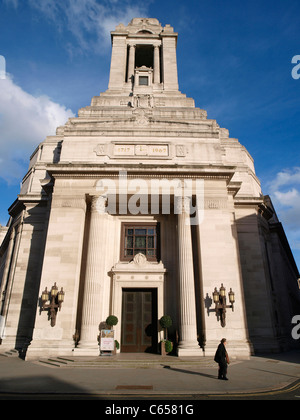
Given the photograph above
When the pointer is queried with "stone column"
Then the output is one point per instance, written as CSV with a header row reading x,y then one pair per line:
x,y
156,64
6,268
10,279
131,62
9,340
92,308
188,344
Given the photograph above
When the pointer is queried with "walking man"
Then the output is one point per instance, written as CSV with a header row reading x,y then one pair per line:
x,y
221,357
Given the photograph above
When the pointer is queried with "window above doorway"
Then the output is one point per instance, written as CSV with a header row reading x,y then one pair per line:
x,y
140,238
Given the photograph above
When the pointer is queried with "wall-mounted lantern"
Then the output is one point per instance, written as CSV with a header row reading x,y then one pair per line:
x,y
219,298
56,299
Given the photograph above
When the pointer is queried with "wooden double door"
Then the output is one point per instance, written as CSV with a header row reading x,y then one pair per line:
x,y
139,321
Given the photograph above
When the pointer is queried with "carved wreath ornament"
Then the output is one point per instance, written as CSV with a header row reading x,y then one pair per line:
x,y
140,259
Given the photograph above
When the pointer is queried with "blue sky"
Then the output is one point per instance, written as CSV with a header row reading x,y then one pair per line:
x,y
234,59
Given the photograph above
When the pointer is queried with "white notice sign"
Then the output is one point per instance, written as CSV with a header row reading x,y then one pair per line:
x,y
107,340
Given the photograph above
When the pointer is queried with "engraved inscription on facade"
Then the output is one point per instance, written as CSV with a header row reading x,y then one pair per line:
x,y
124,150
153,150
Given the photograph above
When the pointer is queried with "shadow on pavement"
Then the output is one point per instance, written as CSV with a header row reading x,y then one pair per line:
x,y
190,372
292,356
31,388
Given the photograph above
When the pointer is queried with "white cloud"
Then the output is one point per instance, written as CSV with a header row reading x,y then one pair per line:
x,y
285,194
25,121
89,21
286,178
287,198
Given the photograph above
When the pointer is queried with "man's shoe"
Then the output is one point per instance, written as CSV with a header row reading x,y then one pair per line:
x,y
225,379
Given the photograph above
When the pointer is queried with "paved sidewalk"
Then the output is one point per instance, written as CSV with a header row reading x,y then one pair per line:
x,y
168,376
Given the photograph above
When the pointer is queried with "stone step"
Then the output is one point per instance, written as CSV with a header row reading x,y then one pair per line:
x,y
114,363
10,353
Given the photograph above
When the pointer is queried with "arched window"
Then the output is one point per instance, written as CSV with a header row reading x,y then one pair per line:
x,y
144,32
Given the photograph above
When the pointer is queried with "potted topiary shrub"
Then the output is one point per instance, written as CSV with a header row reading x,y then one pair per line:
x,y
111,320
166,345
166,322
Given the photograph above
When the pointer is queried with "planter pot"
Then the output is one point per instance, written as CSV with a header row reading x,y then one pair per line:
x,y
166,347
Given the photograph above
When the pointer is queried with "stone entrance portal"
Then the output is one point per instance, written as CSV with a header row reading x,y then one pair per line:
x,y
138,302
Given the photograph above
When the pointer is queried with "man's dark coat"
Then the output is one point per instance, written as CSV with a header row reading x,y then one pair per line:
x,y
221,354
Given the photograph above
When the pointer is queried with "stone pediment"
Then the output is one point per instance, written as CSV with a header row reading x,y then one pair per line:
x,y
144,26
138,264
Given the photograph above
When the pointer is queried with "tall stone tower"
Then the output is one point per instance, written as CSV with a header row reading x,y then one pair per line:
x,y
140,207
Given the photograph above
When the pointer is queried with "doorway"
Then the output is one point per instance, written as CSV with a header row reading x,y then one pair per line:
x,y
139,321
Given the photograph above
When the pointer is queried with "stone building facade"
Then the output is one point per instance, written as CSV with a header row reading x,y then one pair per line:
x,y
139,207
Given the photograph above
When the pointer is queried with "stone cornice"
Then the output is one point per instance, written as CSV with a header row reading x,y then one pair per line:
x,y
140,170
248,201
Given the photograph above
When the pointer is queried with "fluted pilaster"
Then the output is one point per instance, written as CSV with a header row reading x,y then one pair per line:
x,y
156,65
131,62
91,314
3,284
188,329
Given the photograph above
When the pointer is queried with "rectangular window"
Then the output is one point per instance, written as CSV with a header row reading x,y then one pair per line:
x,y
140,238
143,80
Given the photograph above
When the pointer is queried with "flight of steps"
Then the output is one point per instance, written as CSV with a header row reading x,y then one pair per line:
x,y
106,362
10,353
